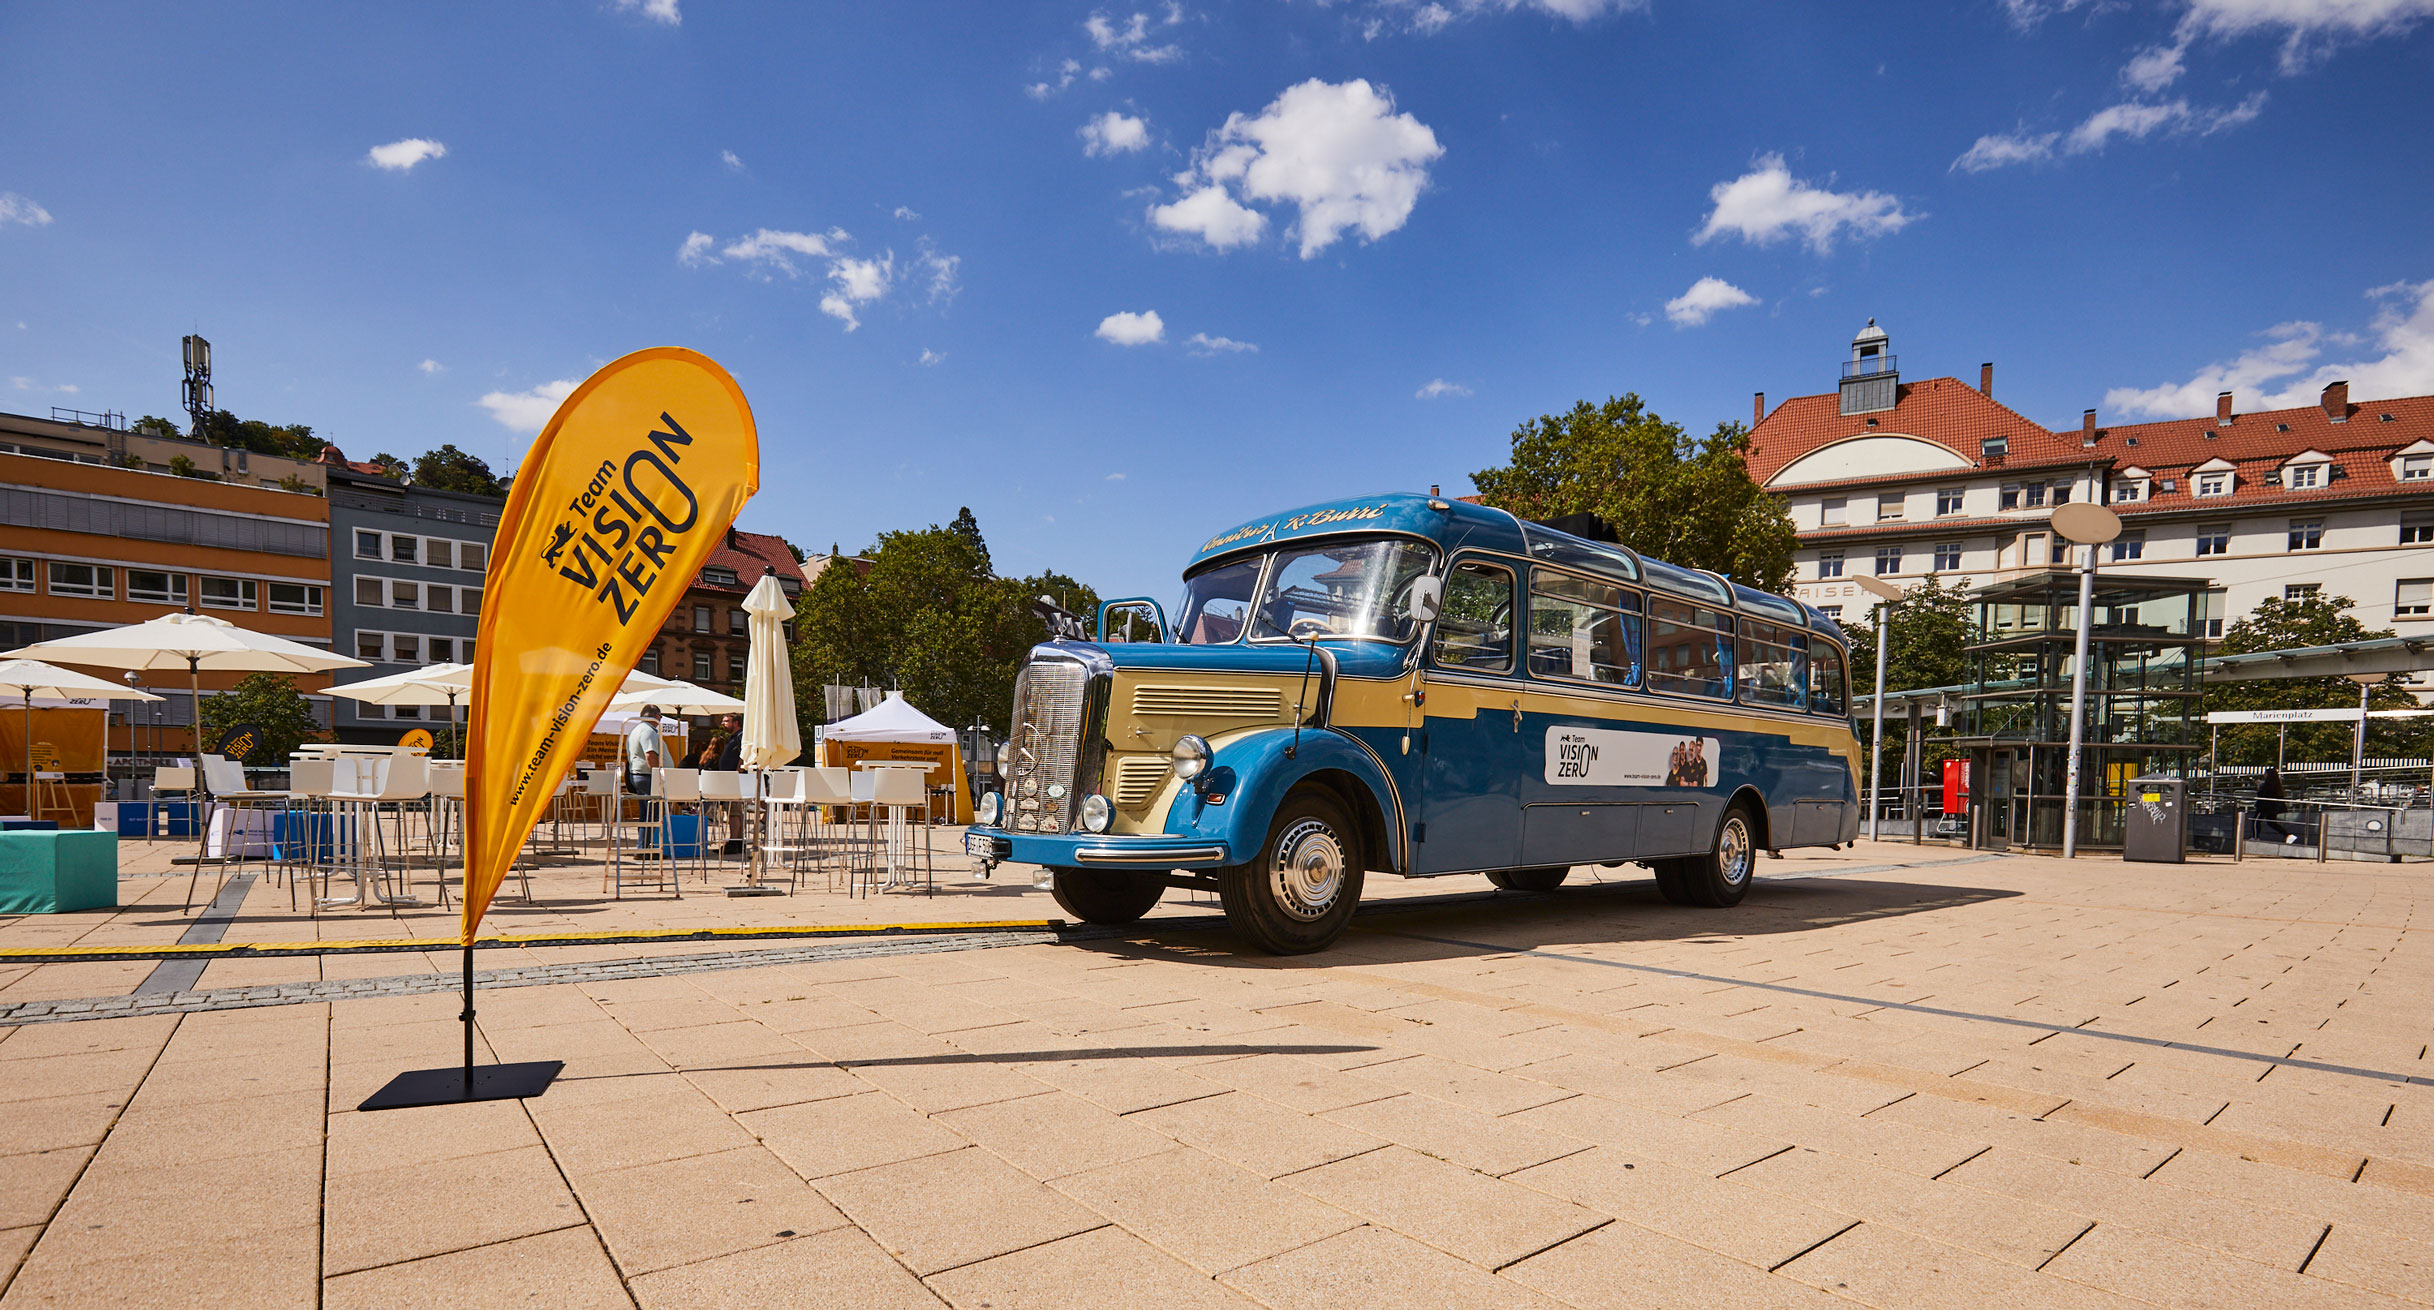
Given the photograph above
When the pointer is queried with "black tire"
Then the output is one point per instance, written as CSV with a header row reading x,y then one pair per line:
x,y
1298,893
1529,880
1722,877
1100,896
1669,882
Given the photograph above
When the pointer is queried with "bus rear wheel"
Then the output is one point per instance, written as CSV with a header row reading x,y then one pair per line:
x,y
1298,893
1722,877
1529,880
1099,896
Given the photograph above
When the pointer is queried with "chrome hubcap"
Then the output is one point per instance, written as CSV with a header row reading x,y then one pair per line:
x,y
1733,851
1307,871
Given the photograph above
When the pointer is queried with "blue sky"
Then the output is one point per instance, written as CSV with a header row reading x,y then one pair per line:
x,y
929,240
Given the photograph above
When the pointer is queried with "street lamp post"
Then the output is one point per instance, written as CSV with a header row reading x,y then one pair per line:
x,y
1891,596
2087,525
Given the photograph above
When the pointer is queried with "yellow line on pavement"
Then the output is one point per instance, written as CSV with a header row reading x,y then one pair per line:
x,y
211,950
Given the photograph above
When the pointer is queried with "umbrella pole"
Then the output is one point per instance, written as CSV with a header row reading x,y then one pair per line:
x,y
28,693
202,816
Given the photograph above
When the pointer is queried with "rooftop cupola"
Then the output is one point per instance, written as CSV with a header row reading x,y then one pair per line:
x,y
1870,375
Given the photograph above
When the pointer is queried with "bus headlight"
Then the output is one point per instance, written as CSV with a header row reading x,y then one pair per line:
x,y
1005,760
1097,813
989,810
1190,757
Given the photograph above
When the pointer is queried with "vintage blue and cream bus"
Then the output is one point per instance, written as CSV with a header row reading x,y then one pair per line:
x,y
1419,686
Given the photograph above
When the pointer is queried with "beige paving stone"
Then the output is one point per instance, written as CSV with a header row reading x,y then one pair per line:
x,y
747,1085
2253,1232
406,1214
49,1123
14,1243
1617,1081
2056,1140
165,1132
42,1077
272,1267
1766,1230
2004,1228
1889,1267
1055,1133
1256,1134
563,1268
2376,1260
1922,1151
1489,1144
1471,1088
656,1216
1623,1266
2360,1203
951,1080
1693,1144
1205,1212
2147,1267
1294,1083
716,1044
940,1212
118,1208
1123,1084
1103,1269
841,1267
1484,1220
843,1133
636,1130
1372,1269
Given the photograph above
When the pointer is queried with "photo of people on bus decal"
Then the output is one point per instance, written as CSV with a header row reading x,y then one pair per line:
x,y
1688,767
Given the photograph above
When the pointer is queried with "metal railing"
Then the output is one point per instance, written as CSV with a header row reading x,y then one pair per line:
x,y
2324,830
1869,366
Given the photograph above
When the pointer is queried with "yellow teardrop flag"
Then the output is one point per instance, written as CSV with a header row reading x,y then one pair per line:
x,y
622,497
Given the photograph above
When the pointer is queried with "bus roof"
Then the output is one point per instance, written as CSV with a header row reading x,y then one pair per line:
x,y
1454,524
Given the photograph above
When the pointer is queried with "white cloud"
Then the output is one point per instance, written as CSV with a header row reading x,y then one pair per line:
x,y
929,357
2283,373
1130,38
659,11
1064,78
1130,329
528,411
1434,16
695,252
1113,477
1707,297
1768,203
2026,14
856,282
28,384
398,156
2135,120
1337,152
943,270
768,246
2309,28
1202,343
2156,67
906,214
1438,387
729,158
1112,133
431,366
17,209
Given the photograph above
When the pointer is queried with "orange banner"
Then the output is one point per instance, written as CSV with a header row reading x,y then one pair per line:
x,y
622,497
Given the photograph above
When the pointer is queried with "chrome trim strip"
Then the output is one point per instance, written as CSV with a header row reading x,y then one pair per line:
x,y
1161,855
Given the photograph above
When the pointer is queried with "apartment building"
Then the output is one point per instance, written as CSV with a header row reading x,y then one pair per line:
x,y
1935,478
406,586
705,640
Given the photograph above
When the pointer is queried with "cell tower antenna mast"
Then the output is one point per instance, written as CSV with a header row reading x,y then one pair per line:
x,y
198,383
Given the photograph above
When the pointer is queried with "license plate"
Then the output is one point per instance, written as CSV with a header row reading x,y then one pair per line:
x,y
984,845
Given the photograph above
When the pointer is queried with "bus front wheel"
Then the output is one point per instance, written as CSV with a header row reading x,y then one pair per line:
x,y
1721,877
1097,896
1529,880
1298,894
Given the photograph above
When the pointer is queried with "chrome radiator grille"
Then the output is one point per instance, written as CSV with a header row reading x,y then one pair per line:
x,y
1049,706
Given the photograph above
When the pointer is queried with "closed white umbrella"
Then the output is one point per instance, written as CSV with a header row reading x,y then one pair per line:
x,y
771,735
31,678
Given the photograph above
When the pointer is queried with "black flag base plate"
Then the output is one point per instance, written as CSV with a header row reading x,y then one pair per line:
x,y
755,889
491,1082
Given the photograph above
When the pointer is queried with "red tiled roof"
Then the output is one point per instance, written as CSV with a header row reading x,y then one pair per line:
x,y
746,554
1939,409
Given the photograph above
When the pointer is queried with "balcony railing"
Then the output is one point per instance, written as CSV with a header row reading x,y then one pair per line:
x,y
1870,366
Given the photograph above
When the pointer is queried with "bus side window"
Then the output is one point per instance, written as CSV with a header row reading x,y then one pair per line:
x,y
1828,697
1475,628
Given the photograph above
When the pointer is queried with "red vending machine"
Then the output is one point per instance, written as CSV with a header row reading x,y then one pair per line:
x,y
1956,786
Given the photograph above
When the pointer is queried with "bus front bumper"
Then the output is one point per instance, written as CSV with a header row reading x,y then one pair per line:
x,y
1083,850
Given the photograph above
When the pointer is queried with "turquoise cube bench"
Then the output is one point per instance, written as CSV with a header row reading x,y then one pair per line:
x,y
55,872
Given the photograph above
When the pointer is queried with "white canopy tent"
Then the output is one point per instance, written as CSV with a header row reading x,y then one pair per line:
x,y
895,719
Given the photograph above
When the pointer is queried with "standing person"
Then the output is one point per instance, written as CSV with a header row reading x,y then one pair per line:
x,y
644,751
2269,806
731,760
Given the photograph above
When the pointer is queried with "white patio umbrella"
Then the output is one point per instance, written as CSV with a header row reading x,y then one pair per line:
x,y
771,735
676,698
31,678
430,685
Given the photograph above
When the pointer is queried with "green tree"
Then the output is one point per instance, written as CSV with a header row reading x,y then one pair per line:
x,y
269,703
450,469
153,426
2282,624
1929,632
1682,501
390,466
292,440
926,617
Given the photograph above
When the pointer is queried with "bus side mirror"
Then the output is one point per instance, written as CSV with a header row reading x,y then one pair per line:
x,y
1427,598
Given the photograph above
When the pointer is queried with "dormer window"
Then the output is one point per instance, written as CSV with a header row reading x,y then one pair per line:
x,y
2129,489
718,577
2213,484
2416,468
2303,477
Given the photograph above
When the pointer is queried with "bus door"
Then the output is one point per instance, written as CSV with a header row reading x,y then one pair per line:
x,y
1469,815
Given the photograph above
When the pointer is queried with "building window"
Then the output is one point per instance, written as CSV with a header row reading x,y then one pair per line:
x,y
438,599
1834,511
367,544
403,549
471,556
2062,493
1889,508
2033,495
2416,468
371,646
406,647
82,580
469,600
1833,612
2057,552
1888,560
2413,597
2008,497
1948,501
2214,484
650,661
229,593
719,577
368,592
701,618
2213,539
2128,489
405,711
1830,566
1948,557
442,650
2306,534
2417,530
2217,601
2129,545
442,553
16,574
2301,590
405,595
294,598
2303,476
701,666
1994,447
738,623
156,588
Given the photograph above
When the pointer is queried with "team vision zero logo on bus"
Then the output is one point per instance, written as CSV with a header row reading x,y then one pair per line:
x,y
620,533
1598,757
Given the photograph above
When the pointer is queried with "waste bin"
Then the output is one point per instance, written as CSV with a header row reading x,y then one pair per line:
x,y
2155,829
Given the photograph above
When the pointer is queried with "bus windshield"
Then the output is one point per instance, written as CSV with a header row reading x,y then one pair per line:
x,y
1354,589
